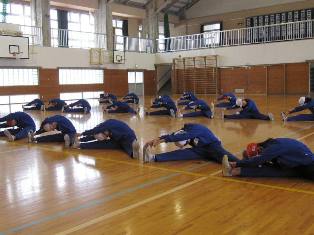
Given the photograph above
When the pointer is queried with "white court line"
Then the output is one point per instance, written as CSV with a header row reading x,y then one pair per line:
x,y
130,207
304,137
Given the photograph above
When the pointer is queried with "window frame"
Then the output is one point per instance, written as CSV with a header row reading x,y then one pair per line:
x,y
81,69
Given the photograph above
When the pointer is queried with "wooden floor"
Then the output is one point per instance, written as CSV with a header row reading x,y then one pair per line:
x,y
47,190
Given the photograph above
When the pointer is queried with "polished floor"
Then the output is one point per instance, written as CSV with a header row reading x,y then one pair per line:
x,y
47,190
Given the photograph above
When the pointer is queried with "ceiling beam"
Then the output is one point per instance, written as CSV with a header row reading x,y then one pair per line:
x,y
166,4
186,7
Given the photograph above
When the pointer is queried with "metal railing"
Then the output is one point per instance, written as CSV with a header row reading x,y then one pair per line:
x,y
132,44
33,33
77,39
235,37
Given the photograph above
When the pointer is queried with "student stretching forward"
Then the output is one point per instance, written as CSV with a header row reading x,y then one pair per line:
x,y
120,107
186,98
131,98
24,123
36,104
56,105
111,134
249,111
201,108
282,157
229,101
304,104
107,98
80,106
55,123
205,145
167,105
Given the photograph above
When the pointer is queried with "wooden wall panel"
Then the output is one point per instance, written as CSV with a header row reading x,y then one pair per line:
x,y
256,80
297,79
232,78
150,84
49,83
276,79
116,81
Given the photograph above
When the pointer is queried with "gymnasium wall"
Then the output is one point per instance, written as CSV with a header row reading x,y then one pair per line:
x,y
233,13
115,81
281,79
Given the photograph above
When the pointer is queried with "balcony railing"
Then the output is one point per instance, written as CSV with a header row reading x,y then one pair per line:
x,y
235,37
132,44
33,33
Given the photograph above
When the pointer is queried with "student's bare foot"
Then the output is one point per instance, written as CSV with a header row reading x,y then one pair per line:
x,y
30,136
136,149
271,116
77,143
9,135
42,108
212,106
179,114
147,155
172,113
85,110
67,141
226,168
283,116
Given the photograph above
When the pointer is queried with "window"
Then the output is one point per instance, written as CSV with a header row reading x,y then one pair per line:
x,y
140,31
118,33
17,99
81,76
135,77
210,37
18,77
81,29
18,14
81,95
161,37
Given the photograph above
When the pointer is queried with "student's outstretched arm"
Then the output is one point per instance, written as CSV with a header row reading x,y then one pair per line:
x,y
300,108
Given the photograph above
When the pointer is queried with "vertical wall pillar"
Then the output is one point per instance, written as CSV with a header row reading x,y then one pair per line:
x,y
103,25
151,23
40,10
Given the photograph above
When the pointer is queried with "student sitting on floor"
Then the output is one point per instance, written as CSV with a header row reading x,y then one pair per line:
x,y
249,111
186,98
19,124
80,106
53,124
167,106
36,104
131,98
229,101
107,98
304,104
56,105
120,107
205,145
282,157
111,134
200,107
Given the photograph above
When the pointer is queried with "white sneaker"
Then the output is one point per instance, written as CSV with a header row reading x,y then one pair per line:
x,y
271,116
9,135
212,107
283,116
226,168
62,110
147,155
136,149
30,136
67,141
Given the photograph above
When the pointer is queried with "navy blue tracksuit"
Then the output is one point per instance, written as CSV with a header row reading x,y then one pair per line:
x,y
201,109
282,157
121,107
231,101
121,137
163,102
186,98
64,125
56,105
303,117
34,105
249,111
131,98
24,124
205,145
78,107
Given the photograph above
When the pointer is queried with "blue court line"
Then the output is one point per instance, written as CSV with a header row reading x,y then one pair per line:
x,y
93,203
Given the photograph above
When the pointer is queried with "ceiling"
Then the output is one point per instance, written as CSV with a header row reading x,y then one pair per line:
x,y
175,7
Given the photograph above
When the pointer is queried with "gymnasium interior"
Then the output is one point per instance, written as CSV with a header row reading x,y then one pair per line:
x,y
261,50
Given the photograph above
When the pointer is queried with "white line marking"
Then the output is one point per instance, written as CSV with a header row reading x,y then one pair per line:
x,y
130,207
304,137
